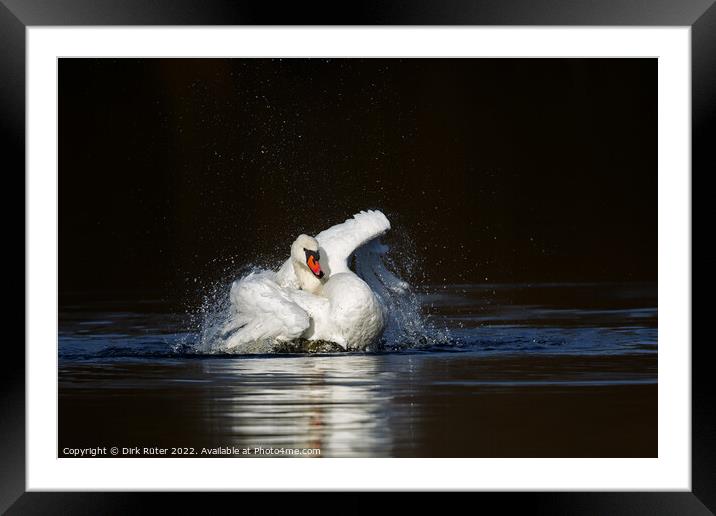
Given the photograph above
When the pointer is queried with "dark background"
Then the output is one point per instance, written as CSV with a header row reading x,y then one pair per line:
x,y
175,172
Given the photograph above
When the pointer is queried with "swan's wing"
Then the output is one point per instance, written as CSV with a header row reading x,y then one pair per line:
x,y
262,312
286,276
341,240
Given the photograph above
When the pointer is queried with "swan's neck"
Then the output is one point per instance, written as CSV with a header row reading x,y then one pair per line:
x,y
306,279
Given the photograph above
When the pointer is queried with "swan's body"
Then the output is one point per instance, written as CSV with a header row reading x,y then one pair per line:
x,y
308,300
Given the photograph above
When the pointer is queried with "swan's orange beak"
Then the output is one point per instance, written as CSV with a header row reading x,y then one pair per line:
x,y
315,267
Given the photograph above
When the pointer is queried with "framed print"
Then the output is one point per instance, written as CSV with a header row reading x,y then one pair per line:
x,y
438,249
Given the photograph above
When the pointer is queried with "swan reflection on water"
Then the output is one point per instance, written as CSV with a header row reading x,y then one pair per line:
x,y
331,403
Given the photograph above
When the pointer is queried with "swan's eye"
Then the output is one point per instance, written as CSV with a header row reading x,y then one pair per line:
x,y
316,254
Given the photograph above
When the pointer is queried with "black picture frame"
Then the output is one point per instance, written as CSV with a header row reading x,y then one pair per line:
x,y
17,15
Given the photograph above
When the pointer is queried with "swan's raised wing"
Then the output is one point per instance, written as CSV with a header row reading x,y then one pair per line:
x,y
337,243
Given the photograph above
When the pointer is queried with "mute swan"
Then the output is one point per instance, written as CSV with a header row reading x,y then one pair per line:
x,y
314,295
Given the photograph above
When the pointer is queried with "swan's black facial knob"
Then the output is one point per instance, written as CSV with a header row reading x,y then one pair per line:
x,y
312,260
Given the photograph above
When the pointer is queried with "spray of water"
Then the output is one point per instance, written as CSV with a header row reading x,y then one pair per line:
x,y
407,326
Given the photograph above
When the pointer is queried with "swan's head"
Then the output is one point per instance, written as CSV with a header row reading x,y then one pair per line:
x,y
305,253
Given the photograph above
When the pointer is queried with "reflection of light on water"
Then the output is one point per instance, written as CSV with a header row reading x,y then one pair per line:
x,y
332,403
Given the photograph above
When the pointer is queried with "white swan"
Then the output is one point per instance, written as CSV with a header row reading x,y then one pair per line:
x,y
314,295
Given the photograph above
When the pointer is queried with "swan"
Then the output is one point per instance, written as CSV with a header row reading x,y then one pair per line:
x,y
314,295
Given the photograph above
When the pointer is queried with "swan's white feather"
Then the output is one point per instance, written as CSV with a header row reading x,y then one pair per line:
x,y
262,312
341,240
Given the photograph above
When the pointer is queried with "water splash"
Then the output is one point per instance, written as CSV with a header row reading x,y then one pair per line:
x,y
407,326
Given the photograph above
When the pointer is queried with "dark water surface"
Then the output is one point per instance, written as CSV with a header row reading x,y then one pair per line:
x,y
527,371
